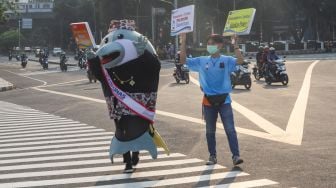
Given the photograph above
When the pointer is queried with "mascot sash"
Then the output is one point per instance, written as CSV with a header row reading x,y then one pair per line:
x,y
133,105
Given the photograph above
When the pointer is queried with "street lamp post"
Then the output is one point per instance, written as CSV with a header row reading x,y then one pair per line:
x,y
176,38
19,30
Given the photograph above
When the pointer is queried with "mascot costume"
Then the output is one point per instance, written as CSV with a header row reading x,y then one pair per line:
x,y
127,66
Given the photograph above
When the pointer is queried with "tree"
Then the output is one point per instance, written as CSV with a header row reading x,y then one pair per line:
x,y
9,39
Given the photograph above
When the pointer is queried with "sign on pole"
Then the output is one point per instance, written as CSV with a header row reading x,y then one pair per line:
x,y
83,35
182,20
27,23
239,22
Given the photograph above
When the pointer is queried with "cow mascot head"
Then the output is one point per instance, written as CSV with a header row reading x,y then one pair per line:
x,y
127,66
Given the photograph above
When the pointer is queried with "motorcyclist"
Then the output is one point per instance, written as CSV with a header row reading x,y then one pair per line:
x,y
10,55
259,58
178,64
23,57
271,57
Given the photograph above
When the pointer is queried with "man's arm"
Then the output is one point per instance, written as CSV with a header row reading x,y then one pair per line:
x,y
183,50
239,56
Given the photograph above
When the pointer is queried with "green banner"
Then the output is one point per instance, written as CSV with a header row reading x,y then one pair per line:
x,y
239,22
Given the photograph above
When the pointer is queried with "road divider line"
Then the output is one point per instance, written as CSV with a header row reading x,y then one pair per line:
x,y
63,83
296,120
44,82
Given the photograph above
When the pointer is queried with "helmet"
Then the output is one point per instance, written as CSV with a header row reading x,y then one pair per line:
x,y
260,48
272,49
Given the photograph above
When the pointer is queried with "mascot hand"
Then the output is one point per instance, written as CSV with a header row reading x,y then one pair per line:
x,y
94,66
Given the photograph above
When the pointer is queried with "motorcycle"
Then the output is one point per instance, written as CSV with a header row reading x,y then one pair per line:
x,y
277,72
24,61
63,65
242,76
258,74
181,73
10,56
82,62
45,63
17,57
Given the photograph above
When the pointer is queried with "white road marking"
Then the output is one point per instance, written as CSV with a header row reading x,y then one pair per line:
x,y
23,133
245,184
177,181
294,131
57,137
47,127
51,123
49,142
121,176
107,168
73,133
44,82
55,146
64,83
47,160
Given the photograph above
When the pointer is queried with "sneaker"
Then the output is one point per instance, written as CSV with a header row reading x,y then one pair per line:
x,y
128,168
135,159
237,160
212,160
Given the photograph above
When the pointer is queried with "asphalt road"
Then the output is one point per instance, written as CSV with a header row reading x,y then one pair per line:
x,y
286,133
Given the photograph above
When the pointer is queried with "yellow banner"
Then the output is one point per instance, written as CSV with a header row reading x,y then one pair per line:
x,y
239,22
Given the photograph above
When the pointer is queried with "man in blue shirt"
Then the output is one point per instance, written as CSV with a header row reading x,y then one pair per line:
x,y
214,77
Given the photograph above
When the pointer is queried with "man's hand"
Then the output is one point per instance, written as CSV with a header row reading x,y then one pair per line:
x,y
183,53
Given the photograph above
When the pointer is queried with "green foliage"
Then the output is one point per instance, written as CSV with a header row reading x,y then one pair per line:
x,y
9,39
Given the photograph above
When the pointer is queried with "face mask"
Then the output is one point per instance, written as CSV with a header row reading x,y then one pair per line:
x,y
212,49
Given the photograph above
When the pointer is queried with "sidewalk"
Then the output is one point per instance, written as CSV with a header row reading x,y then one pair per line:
x,y
5,86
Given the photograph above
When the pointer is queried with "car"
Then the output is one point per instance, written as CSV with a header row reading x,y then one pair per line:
x,y
57,51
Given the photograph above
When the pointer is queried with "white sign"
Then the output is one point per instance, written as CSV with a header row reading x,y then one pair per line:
x,y
27,23
182,20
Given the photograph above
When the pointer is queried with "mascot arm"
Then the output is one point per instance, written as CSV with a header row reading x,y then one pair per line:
x,y
96,69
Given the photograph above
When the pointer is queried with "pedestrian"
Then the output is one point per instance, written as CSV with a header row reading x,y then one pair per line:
x,y
214,76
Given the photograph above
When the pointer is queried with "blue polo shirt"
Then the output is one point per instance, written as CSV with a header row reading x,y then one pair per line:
x,y
214,73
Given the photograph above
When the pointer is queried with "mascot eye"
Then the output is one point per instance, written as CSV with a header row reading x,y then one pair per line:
x,y
120,36
106,41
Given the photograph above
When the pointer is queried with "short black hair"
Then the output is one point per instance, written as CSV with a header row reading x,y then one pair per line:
x,y
216,38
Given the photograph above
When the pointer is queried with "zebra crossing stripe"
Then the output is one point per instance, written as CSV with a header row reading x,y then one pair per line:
x,y
73,133
49,142
56,126
106,168
56,137
11,116
6,123
60,151
41,125
55,146
245,184
116,177
47,130
40,149
178,181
